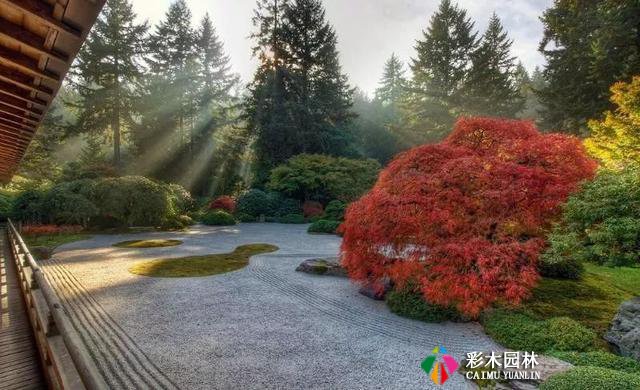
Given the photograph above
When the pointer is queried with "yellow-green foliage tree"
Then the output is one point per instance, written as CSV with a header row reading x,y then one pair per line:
x,y
615,140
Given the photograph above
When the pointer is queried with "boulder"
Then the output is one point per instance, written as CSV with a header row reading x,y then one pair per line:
x,y
377,290
624,335
329,267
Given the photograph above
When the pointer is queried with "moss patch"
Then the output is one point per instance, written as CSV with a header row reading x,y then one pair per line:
x,y
593,300
194,266
147,243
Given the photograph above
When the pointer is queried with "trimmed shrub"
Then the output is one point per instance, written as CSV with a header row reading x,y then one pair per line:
x,y
324,226
253,202
599,359
218,218
132,201
590,378
225,203
335,210
562,259
320,177
312,209
467,218
291,219
521,332
286,206
178,222
242,217
27,206
64,207
181,200
601,223
411,304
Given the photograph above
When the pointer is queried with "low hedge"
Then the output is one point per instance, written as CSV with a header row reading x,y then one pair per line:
x,y
521,332
599,359
291,219
218,218
590,378
411,304
324,226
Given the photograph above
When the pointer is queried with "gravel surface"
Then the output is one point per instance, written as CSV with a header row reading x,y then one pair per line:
x,y
265,326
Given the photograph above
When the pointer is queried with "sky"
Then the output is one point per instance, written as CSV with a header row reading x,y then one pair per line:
x,y
369,31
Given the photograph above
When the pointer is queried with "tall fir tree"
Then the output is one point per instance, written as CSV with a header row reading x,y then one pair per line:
x,y
299,99
491,87
439,69
588,45
108,72
393,84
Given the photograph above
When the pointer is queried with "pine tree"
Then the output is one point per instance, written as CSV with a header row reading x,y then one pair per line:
x,y
588,45
529,85
299,99
393,83
108,71
491,86
439,71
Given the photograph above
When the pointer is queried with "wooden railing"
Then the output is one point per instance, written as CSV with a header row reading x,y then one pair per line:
x,y
66,360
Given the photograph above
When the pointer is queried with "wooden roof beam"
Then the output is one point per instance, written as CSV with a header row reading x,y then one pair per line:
x,y
26,64
9,89
26,108
33,41
18,114
8,121
9,132
44,13
9,143
23,81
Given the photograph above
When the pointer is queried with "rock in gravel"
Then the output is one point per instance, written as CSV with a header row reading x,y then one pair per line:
x,y
546,367
377,290
329,266
624,334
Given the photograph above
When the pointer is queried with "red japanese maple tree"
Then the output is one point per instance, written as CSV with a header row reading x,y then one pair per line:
x,y
465,219
223,202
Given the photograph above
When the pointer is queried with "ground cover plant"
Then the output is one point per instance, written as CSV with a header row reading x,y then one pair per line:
x,y
218,218
157,243
466,218
52,236
206,265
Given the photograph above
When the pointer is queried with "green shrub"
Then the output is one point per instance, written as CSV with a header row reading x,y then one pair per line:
x,y
521,332
254,202
335,210
242,217
599,359
218,218
601,223
324,226
411,304
27,206
178,222
291,219
181,200
63,207
321,177
285,206
591,378
133,201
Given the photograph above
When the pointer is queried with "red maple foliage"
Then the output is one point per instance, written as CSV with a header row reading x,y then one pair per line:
x,y
465,219
312,209
225,203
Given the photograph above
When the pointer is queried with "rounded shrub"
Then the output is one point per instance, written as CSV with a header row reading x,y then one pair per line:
x,y
253,202
64,207
411,304
324,226
562,260
466,217
27,206
6,204
181,200
242,217
286,206
591,378
218,218
335,210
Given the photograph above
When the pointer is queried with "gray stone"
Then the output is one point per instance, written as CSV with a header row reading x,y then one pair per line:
x,y
377,290
328,266
546,367
624,334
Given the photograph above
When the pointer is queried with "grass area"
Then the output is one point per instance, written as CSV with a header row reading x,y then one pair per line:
x,y
54,240
194,266
147,243
592,300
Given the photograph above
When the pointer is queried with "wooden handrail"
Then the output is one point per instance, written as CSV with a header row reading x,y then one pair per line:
x,y
67,364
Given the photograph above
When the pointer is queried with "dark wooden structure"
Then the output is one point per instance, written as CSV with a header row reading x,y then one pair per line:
x,y
38,41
